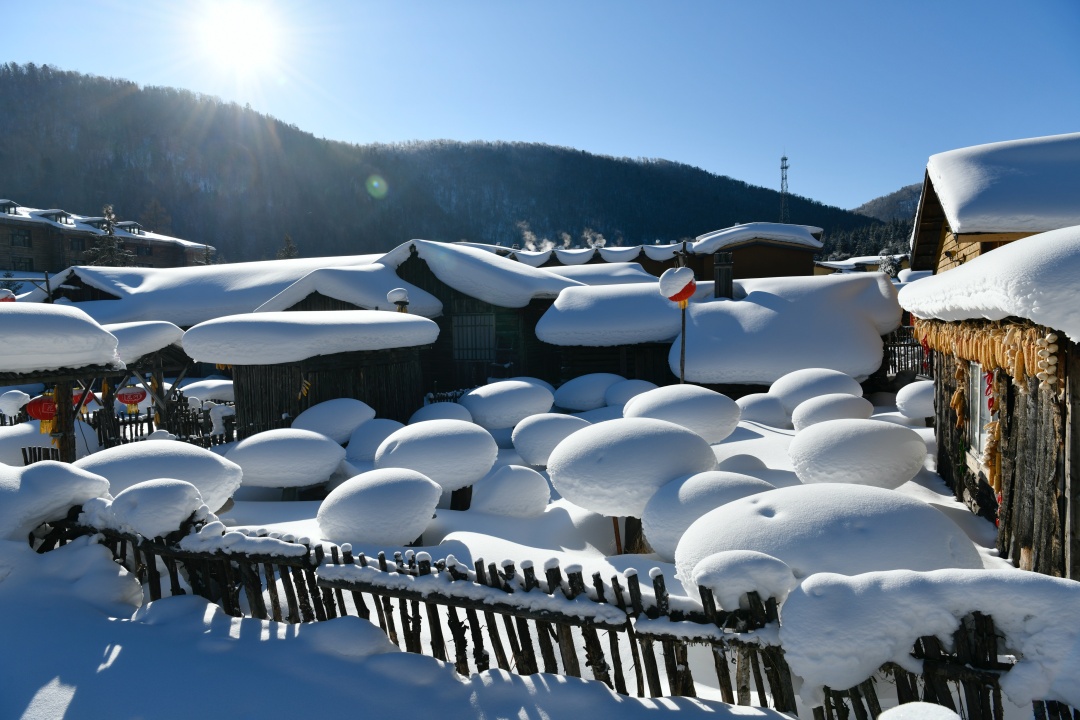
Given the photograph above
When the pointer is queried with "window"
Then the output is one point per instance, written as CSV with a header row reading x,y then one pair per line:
x,y
474,337
20,237
144,250
78,244
22,264
978,408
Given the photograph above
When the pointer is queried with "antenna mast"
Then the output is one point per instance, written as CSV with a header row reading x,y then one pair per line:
x,y
783,189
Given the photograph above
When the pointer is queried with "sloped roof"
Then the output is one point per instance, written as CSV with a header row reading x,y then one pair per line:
x,y
365,286
780,232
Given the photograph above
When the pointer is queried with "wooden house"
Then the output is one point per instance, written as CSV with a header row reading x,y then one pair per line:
x,y
1001,329
980,198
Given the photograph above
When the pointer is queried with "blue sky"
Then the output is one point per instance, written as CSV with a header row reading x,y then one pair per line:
x,y
858,94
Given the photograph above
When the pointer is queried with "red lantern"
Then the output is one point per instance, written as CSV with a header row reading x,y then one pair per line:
x,y
6,295
41,408
131,396
77,398
678,285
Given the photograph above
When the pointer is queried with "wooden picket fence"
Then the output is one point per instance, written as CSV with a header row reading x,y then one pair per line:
x,y
523,621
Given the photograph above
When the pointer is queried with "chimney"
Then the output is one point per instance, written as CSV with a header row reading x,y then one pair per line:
x,y
723,275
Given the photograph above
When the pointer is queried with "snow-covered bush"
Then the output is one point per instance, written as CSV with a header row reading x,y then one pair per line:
x,y
12,402
865,452
286,457
441,411
210,389
42,492
511,491
831,527
453,453
619,393
154,508
367,437
710,414
676,505
916,400
800,385
388,506
833,406
765,409
537,435
217,478
505,403
585,392
615,467
336,419
731,574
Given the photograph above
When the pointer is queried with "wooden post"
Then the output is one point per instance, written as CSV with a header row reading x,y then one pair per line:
x,y
65,421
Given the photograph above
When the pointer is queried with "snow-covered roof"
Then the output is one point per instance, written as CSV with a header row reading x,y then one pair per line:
x,y
187,296
719,239
856,263
91,224
604,273
38,337
270,338
136,339
365,286
482,274
1033,278
1015,186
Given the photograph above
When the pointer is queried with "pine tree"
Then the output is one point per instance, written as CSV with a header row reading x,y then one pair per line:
x,y
288,250
109,249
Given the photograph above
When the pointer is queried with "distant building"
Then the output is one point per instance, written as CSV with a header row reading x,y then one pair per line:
x,y
33,240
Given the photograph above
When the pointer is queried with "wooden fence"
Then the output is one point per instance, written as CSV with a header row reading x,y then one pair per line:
x,y
904,352
555,621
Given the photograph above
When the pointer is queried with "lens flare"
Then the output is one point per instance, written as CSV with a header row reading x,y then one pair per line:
x,y
376,187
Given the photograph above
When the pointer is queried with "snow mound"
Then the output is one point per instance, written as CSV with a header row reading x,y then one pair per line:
x,y
154,508
336,419
368,436
453,453
862,452
710,414
511,491
216,478
347,638
732,574
765,409
136,339
42,492
12,402
620,393
600,414
676,505
286,457
210,389
614,468
41,336
441,411
505,403
28,434
918,711
585,392
916,400
535,381
833,406
801,385
388,506
832,527
537,435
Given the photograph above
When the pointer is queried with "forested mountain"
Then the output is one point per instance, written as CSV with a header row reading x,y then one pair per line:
x,y
196,167
899,205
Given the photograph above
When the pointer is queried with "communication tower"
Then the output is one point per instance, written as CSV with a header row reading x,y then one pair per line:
x,y
783,189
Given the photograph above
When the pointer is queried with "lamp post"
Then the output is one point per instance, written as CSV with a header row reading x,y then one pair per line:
x,y
678,285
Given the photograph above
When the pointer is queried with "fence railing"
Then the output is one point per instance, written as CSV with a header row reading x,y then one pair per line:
x,y
635,640
904,352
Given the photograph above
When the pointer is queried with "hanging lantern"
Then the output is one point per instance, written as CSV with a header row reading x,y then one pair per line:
x,y
6,295
678,285
78,401
131,396
43,409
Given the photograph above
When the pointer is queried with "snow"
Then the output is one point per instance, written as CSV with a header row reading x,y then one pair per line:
x,y
738,234
674,280
537,435
907,275
676,505
620,254
798,386
865,452
765,409
576,256
482,275
883,613
215,477
831,406
136,339
28,434
256,339
533,258
835,321
619,394
1026,185
732,574
710,414
367,437
44,491
505,403
441,411
365,286
453,453
918,711
615,467
916,400
151,508
336,419
48,337
609,315
831,527
389,506
210,389
12,401
585,392
511,491
286,457
619,273
1032,278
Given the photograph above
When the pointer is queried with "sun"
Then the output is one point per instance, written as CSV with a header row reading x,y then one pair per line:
x,y
242,38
